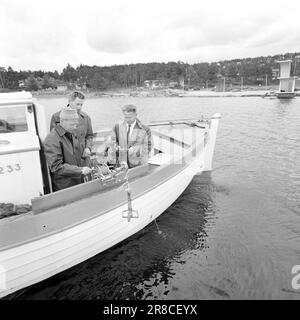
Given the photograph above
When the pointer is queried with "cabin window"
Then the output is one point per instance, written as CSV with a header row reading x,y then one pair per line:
x,y
13,119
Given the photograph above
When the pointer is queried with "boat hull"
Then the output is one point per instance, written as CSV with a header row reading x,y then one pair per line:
x,y
26,259
41,259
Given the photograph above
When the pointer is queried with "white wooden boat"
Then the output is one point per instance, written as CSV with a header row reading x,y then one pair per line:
x,y
67,227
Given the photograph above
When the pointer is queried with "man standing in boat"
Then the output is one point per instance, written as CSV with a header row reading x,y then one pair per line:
x,y
64,153
84,131
133,138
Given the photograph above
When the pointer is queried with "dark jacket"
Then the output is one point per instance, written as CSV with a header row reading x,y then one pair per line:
x,y
84,131
63,158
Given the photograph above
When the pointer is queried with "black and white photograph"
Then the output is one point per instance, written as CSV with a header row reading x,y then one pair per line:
x,y
149,151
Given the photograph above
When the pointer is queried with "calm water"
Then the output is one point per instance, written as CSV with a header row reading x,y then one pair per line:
x,y
233,234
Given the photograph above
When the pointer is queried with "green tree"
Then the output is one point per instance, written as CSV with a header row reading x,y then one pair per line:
x,y
98,82
192,76
48,82
31,83
69,74
213,71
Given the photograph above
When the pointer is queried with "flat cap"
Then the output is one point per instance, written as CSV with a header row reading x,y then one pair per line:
x,y
68,113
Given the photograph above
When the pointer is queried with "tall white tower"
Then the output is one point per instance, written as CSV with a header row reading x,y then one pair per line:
x,y
286,82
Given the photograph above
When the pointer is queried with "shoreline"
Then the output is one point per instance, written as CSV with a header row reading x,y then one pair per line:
x,y
161,93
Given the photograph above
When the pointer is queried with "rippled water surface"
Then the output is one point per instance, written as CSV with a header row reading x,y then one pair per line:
x,y
233,234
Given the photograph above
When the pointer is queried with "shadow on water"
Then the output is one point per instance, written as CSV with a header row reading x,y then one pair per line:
x,y
281,108
123,271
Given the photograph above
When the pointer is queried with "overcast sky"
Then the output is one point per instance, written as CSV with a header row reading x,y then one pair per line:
x,y
38,34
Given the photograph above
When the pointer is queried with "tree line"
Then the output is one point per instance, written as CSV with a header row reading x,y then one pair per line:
x,y
252,71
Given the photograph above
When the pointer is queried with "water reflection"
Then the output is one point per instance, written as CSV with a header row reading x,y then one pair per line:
x,y
133,268
282,108
285,101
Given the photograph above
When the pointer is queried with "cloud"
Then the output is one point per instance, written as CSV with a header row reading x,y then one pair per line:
x,y
49,34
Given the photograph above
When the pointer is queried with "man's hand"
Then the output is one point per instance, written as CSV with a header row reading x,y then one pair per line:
x,y
86,170
124,165
86,153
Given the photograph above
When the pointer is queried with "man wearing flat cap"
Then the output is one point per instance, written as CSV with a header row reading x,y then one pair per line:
x,y
84,131
133,138
64,153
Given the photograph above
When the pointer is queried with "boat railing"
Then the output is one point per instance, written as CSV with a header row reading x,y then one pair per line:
x,y
201,123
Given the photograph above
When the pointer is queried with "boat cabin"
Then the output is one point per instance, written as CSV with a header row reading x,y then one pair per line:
x,y
22,127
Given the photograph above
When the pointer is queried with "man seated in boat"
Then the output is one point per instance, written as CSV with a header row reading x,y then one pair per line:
x,y
64,153
84,131
133,139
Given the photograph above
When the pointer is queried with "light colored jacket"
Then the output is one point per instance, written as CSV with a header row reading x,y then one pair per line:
x,y
140,143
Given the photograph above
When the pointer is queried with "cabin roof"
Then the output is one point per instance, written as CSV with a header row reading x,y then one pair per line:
x,y
21,97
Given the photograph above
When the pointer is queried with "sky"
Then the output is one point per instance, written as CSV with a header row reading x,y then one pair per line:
x,y
47,35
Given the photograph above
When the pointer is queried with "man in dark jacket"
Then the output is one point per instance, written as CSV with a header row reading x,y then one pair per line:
x,y
84,131
64,153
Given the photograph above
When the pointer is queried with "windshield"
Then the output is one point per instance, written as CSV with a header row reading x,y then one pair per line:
x,y
13,119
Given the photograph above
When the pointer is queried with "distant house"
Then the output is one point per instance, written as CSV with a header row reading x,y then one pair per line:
x,y
81,86
61,87
154,84
22,84
275,73
147,83
161,83
173,84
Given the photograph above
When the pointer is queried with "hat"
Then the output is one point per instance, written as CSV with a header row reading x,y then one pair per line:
x,y
129,108
68,113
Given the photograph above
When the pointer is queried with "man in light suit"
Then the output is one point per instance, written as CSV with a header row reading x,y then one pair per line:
x,y
133,138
